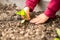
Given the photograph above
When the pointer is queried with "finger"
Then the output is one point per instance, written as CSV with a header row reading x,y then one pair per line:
x,y
39,22
27,13
34,20
28,16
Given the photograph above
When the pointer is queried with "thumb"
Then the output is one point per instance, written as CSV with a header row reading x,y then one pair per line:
x,y
27,13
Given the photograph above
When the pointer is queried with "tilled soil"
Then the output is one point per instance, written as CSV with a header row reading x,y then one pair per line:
x,y
12,29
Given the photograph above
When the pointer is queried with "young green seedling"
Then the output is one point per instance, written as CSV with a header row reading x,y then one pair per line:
x,y
56,39
58,32
22,13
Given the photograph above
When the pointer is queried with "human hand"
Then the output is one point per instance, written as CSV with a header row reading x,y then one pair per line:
x,y
42,18
25,13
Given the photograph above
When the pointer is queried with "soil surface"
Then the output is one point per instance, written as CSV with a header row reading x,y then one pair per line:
x,y
12,29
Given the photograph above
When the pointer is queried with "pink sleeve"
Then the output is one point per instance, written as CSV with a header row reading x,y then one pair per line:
x,y
52,8
31,4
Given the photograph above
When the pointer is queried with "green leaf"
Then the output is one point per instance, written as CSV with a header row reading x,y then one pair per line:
x,y
22,12
58,32
56,39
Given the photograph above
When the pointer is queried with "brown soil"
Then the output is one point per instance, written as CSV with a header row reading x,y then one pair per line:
x,y
12,29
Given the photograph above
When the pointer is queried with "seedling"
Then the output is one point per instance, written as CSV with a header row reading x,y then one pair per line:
x,y
22,13
56,39
58,32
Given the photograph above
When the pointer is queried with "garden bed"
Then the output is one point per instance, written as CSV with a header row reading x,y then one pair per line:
x,y
11,27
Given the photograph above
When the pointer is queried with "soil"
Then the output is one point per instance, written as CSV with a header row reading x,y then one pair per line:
x,y
12,29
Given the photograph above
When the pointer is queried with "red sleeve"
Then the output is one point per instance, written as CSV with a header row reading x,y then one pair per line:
x,y
31,4
52,8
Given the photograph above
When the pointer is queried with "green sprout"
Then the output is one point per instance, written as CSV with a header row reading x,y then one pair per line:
x,y
22,13
56,39
58,32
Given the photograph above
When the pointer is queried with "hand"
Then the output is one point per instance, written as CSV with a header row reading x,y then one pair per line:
x,y
42,18
27,11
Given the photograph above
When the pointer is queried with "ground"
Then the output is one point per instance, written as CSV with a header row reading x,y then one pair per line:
x,y
12,29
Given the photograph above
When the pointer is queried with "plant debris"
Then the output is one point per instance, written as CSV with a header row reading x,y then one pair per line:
x,y
22,21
